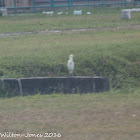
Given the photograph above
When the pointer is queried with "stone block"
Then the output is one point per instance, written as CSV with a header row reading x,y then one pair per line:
x,y
126,14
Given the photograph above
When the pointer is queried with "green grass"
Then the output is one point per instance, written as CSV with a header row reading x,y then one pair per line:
x,y
114,53
100,17
103,116
111,53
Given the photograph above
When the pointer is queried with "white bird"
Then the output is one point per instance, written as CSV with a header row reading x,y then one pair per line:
x,y
70,64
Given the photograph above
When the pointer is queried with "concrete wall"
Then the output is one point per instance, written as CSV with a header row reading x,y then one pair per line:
x,y
47,85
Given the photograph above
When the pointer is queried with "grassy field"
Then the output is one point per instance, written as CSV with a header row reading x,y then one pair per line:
x,y
114,53
103,116
103,52
111,53
100,17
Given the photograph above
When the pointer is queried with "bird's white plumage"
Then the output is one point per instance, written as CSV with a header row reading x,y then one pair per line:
x,y
70,64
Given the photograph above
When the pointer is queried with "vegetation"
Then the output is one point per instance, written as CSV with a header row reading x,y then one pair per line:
x,y
105,51
100,17
114,53
110,53
102,116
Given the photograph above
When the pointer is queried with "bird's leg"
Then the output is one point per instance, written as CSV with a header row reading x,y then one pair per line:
x,y
70,74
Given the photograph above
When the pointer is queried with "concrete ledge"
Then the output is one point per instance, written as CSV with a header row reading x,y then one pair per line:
x,y
4,11
48,85
126,13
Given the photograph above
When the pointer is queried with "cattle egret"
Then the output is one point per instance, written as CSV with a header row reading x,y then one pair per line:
x,y
70,64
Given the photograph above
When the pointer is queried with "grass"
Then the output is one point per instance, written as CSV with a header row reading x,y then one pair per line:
x,y
103,116
106,52
111,53
100,17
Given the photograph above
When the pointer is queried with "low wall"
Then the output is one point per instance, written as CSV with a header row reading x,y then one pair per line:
x,y
47,85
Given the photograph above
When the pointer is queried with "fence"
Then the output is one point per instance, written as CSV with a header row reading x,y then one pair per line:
x,y
34,5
